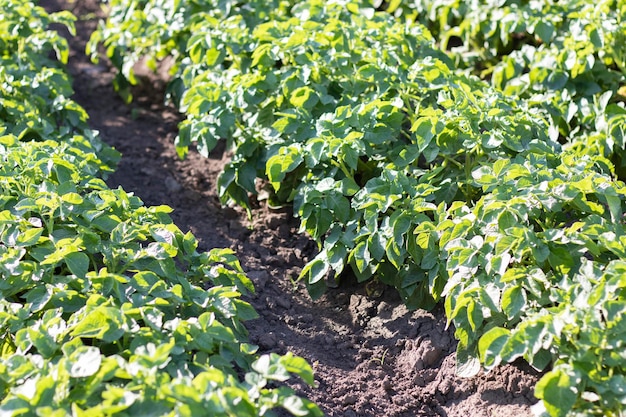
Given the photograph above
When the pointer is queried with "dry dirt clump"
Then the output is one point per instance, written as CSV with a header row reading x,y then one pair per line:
x,y
372,356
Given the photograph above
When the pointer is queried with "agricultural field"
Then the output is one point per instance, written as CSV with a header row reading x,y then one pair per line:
x,y
426,196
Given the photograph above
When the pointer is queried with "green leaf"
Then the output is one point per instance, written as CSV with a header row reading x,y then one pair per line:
x,y
558,391
513,301
340,206
544,30
72,198
7,347
499,166
361,256
300,407
561,259
337,257
299,366
401,223
395,254
41,339
506,220
467,367
284,162
490,346
407,156
484,176
315,271
474,315
103,323
29,238
78,263
270,367
424,132
84,361
615,207
315,149
304,97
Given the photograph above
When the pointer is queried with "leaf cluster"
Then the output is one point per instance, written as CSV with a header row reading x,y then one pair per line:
x,y
35,103
566,58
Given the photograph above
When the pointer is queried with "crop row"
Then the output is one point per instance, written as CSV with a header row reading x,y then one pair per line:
x,y
106,307
468,153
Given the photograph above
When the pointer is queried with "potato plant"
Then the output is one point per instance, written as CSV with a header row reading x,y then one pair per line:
x,y
106,307
566,58
467,153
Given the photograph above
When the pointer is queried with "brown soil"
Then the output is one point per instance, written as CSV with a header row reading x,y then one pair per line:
x,y
372,356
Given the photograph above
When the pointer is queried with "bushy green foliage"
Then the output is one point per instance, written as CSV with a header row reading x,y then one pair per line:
x,y
567,59
463,152
102,305
106,307
35,92
138,29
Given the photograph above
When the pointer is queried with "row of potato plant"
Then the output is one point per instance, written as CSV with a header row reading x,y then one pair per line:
x,y
409,170
338,112
566,58
106,307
